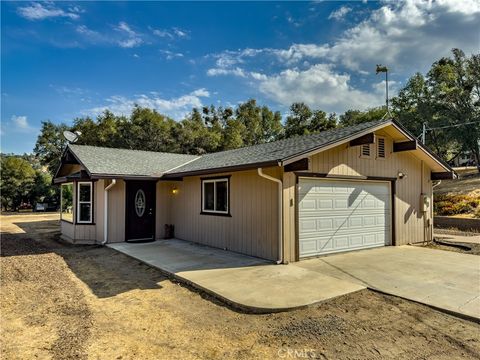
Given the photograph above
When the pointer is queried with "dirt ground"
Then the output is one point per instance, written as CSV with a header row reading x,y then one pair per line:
x,y
68,302
474,248
467,183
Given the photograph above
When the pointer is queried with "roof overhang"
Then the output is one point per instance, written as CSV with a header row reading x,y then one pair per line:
x,y
218,170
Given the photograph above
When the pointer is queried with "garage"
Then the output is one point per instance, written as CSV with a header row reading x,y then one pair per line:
x,y
342,215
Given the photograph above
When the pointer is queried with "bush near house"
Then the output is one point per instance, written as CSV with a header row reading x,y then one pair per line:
x,y
450,204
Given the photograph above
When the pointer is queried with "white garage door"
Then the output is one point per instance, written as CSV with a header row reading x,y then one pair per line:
x,y
337,215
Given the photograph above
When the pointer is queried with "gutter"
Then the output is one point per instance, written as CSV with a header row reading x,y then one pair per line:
x,y
280,212
105,212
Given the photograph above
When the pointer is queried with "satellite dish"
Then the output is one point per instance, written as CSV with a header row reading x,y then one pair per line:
x,y
71,136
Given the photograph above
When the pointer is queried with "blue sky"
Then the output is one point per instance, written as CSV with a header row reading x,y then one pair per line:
x,y
62,60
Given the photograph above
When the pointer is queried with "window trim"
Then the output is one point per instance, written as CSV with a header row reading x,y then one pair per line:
x,y
78,202
384,148
73,202
214,180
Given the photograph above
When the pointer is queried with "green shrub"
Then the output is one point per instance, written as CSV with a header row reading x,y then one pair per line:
x,y
445,204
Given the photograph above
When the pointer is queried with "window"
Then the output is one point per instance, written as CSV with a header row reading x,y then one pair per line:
x,y
365,151
66,202
381,154
215,196
84,203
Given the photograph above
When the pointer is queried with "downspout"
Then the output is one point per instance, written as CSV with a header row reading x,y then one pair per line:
x,y
105,212
280,212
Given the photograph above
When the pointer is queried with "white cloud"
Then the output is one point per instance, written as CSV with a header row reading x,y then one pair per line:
x,y
37,11
132,39
91,35
20,123
175,107
298,52
319,87
169,55
405,35
340,13
180,33
409,34
172,33
222,71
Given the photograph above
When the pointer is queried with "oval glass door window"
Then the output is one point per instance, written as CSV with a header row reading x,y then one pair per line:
x,y
140,203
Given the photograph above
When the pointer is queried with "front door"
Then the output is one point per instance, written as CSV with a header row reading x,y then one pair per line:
x,y
140,211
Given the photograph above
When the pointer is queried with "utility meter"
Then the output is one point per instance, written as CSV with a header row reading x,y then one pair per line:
x,y
424,202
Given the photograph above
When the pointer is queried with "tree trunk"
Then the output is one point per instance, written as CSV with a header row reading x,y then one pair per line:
x,y
476,154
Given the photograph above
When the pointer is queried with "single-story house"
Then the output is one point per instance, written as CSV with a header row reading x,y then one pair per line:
x,y
352,188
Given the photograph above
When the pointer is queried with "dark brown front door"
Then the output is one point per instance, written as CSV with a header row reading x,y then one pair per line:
x,y
140,211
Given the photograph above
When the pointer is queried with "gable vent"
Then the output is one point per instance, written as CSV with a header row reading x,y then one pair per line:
x,y
366,150
381,148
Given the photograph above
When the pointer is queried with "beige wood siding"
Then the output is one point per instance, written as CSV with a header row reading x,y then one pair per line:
x,y
163,207
343,160
68,230
289,216
116,212
85,234
99,207
252,228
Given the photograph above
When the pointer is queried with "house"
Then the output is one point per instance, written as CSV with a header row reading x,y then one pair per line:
x,y
359,187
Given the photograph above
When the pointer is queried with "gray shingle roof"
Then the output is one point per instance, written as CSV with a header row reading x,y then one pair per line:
x,y
272,152
111,161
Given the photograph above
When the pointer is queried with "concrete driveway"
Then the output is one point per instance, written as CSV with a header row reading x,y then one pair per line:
x,y
245,282
442,279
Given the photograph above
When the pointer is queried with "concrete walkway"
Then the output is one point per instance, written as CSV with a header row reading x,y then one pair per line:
x,y
248,283
442,279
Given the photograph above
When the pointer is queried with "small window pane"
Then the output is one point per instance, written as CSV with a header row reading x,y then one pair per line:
x,y
222,196
84,192
67,202
208,196
84,214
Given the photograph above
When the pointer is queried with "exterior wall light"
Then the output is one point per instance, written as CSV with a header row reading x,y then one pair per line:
x,y
401,175
174,190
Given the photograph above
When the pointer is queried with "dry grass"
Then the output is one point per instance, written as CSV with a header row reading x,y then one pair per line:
x,y
69,302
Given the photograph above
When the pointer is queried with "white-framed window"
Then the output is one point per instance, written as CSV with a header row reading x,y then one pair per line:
x,y
66,202
381,148
84,202
215,196
365,151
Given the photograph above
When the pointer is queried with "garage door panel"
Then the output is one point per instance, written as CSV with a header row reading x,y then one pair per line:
x,y
339,223
327,245
336,202
342,215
